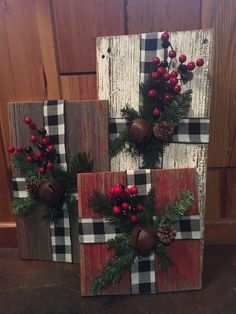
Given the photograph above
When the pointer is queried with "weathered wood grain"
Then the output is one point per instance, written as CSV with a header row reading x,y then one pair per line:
x,y
186,255
220,15
81,119
151,15
118,81
78,23
79,87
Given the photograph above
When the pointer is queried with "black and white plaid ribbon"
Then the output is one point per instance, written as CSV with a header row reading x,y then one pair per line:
x,y
189,130
54,123
98,230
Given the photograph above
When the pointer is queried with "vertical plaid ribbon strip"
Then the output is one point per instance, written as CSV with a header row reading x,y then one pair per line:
x,y
190,130
54,123
143,273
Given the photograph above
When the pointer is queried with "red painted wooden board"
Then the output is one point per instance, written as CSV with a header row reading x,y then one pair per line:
x,y
185,274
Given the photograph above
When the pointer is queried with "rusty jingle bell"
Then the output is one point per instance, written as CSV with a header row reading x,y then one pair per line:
x,y
139,130
144,239
52,191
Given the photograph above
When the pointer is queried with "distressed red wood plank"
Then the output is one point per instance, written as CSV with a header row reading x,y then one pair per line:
x,y
186,271
169,184
93,259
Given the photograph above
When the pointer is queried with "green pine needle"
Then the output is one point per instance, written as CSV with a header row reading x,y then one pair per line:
x,y
165,261
27,169
114,269
129,113
174,211
23,206
117,144
146,217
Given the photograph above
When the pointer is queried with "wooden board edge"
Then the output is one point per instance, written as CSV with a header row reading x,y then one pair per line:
x,y
8,235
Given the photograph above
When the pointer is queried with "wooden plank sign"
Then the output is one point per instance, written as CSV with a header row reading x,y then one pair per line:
x,y
86,130
120,67
185,252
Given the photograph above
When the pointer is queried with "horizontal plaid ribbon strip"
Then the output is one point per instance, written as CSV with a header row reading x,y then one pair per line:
x,y
189,130
54,123
99,230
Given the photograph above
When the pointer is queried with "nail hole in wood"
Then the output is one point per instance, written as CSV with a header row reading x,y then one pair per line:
x,y
103,56
109,49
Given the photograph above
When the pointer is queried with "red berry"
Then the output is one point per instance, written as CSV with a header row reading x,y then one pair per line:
x,y
166,76
125,205
29,158
177,89
27,120
44,141
155,76
133,218
152,93
118,189
139,207
167,97
133,189
49,165
161,70
200,62
11,149
182,58
116,210
173,81
39,155
155,60
156,112
33,138
191,66
51,148
172,54
111,191
19,148
165,36
32,126
127,191
174,73
42,170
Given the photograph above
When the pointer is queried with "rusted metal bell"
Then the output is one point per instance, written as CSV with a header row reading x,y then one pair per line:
x,y
144,239
52,191
139,130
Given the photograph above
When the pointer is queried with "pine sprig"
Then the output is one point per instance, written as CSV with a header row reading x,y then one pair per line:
x,y
27,170
117,144
174,211
178,108
165,261
146,217
129,113
23,206
52,214
114,269
152,153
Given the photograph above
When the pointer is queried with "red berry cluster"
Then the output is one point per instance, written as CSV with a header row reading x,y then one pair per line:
x,y
125,202
166,83
43,155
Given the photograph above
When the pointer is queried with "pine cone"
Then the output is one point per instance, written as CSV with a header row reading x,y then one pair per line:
x,y
166,234
32,187
163,130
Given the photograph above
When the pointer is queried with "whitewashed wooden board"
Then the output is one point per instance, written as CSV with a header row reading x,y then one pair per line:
x,y
118,79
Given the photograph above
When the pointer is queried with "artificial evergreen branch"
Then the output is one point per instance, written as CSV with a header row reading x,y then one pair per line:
x,y
165,261
152,153
52,214
27,170
117,144
146,217
23,206
72,205
174,211
114,269
129,113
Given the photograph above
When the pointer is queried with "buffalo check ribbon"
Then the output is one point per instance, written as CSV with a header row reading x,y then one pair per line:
x,y
98,230
53,112
54,123
190,130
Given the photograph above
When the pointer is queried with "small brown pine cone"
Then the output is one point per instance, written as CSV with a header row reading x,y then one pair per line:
x,y
163,130
166,234
32,187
